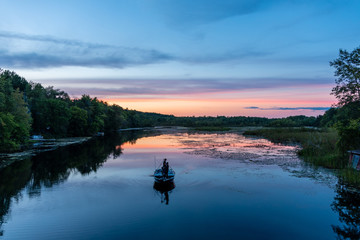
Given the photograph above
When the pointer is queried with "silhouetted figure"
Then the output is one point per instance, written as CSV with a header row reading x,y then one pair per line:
x,y
165,168
164,164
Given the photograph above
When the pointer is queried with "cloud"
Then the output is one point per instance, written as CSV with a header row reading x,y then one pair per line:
x,y
126,87
188,13
233,55
36,51
49,39
291,108
19,50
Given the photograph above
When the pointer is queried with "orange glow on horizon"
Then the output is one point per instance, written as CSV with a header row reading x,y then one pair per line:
x,y
233,103
220,107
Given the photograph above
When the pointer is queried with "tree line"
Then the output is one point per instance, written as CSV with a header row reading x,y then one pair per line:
x,y
28,108
345,115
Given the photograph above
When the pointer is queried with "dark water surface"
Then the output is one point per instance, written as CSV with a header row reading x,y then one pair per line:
x,y
226,187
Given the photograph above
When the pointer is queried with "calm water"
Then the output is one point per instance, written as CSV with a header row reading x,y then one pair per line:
x,y
226,187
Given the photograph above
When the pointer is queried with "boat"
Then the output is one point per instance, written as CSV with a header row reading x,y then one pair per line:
x,y
160,174
160,177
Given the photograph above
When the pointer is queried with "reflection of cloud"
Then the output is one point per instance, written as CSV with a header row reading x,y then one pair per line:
x,y
291,108
29,51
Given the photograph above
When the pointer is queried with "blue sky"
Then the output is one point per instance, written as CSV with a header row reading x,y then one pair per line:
x,y
256,58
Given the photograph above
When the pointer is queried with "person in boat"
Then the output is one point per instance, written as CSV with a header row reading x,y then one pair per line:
x,y
165,168
164,162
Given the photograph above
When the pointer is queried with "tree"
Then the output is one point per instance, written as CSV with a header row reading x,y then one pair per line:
x,y
78,122
15,119
22,117
349,135
7,127
38,107
347,71
58,115
114,118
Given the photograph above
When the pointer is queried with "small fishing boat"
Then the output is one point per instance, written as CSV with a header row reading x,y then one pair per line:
x,y
164,173
161,177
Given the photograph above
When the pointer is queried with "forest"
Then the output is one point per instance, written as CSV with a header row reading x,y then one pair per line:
x,y
28,108
339,127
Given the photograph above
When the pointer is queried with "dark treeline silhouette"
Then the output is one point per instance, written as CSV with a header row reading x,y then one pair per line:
x,y
346,120
28,108
345,117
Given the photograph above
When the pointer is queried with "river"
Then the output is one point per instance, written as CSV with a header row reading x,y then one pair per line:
x,y
227,186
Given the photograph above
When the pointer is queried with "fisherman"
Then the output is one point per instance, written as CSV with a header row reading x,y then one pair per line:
x,y
164,163
165,168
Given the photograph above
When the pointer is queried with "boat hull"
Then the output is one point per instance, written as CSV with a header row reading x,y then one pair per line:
x,y
163,187
160,177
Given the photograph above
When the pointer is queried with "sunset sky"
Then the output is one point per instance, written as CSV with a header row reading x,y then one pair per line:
x,y
200,57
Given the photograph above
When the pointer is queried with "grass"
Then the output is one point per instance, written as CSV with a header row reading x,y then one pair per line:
x,y
351,176
318,148
212,129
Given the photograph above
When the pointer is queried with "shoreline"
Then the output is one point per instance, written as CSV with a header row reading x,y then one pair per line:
x,y
40,146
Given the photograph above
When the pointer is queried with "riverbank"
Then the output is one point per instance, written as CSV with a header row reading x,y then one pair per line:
x,y
35,147
318,147
38,146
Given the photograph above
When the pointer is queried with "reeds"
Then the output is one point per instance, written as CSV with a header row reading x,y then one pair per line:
x,y
318,146
212,129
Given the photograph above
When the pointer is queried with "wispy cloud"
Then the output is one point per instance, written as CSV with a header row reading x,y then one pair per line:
x,y
29,51
19,50
172,87
190,13
49,39
227,56
290,108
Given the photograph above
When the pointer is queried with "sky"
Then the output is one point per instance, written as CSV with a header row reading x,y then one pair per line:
x,y
266,58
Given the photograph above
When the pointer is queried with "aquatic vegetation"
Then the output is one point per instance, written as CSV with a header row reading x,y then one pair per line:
x,y
350,176
212,129
318,146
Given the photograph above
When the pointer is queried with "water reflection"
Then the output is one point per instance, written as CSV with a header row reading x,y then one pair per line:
x,y
164,189
51,168
347,205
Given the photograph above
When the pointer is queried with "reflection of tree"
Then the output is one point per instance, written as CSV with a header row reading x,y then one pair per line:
x,y
12,180
51,168
347,204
